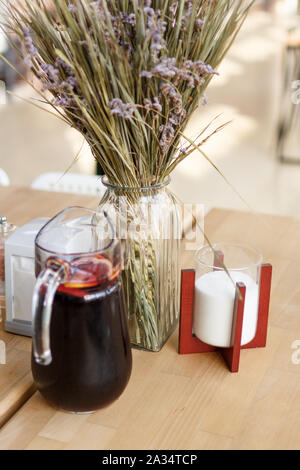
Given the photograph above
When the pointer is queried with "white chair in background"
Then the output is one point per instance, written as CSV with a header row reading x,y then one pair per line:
x,y
69,183
4,179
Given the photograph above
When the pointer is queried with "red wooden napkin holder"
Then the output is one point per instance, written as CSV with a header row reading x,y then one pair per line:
x,y
190,344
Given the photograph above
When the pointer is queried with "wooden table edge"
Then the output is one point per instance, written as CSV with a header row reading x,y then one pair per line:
x,y
14,400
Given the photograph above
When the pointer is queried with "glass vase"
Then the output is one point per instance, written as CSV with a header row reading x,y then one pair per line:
x,y
147,222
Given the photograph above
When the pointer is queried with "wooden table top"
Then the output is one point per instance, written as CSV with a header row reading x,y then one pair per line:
x,y
172,401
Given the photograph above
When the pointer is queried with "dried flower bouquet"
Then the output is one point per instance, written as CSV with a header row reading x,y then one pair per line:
x,y
128,74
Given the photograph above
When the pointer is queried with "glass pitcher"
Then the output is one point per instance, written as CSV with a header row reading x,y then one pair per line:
x,y
81,356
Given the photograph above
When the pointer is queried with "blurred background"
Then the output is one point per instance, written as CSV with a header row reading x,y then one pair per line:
x,y
258,152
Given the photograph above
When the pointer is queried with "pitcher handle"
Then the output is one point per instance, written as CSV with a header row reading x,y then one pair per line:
x,y
53,274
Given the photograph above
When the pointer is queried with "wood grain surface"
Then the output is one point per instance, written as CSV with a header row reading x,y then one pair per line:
x,y
173,401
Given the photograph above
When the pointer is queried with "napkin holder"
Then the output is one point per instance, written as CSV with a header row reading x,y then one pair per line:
x,y
20,277
190,344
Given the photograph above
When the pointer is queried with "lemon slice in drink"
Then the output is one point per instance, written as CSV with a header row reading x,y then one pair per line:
x,y
89,272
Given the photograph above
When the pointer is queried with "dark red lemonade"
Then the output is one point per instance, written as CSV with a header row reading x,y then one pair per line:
x,y
91,354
